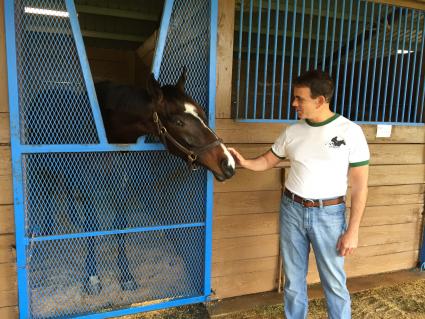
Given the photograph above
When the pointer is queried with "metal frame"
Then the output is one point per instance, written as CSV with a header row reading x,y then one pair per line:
x,y
18,150
365,105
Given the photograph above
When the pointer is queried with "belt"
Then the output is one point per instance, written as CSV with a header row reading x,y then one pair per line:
x,y
314,202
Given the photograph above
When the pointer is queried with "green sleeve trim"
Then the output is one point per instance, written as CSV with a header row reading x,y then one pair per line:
x,y
359,164
276,154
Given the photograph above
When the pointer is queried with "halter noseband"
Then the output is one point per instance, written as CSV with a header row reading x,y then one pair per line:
x,y
192,155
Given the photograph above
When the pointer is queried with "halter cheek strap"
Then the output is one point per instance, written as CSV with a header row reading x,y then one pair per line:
x,y
192,154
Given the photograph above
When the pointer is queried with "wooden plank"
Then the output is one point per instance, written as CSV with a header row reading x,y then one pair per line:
x,y
393,195
9,312
396,174
7,248
248,225
5,161
226,22
246,180
7,224
8,281
228,249
6,194
237,132
8,298
397,154
387,234
394,214
256,202
243,284
244,266
4,128
4,103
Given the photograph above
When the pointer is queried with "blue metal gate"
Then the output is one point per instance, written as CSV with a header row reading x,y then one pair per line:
x,y
103,230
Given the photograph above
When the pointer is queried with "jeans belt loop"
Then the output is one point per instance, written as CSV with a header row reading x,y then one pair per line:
x,y
321,203
293,197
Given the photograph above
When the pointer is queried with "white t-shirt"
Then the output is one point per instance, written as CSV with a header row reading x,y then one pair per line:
x,y
320,154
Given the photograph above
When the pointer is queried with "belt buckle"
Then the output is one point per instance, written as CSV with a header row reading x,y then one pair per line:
x,y
304,200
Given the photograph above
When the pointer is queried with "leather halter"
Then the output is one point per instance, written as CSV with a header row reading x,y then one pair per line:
x,y
192,154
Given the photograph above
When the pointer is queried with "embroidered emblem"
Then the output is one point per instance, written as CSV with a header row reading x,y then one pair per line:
x,y
336,142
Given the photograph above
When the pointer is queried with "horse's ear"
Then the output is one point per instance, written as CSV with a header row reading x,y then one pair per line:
x,y
182,80
154,88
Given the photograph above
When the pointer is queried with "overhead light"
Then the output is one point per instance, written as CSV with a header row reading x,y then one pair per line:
x,y
46,12
404,51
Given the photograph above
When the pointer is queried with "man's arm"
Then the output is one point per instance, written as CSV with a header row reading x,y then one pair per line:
x,y
358,180
261,163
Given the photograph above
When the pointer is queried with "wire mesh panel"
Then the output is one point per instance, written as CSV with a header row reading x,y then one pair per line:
x,y
373,51
54,106
101,231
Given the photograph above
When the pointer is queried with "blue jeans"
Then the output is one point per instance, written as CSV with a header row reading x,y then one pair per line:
x,y
321,227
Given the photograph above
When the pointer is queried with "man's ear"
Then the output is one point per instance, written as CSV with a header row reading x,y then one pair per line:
x,y
154,89
320,100
182,80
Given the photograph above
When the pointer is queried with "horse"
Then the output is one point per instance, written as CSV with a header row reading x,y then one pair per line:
x,y
168,113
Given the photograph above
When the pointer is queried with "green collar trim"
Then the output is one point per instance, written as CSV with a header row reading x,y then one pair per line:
x,y
335,116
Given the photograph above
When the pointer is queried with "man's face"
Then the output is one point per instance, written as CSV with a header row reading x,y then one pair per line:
x,y
304,104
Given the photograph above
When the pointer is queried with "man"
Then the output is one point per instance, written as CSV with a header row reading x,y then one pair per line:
x,y
323,148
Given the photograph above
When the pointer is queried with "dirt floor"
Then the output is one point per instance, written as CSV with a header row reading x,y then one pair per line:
x,y
405,300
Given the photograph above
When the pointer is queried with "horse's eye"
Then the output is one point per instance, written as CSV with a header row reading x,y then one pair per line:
x,y
179,123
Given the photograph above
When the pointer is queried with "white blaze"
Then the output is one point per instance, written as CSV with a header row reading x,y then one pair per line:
x,y
191,109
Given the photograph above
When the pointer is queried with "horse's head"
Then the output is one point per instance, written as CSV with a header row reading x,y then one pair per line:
x,y
182,126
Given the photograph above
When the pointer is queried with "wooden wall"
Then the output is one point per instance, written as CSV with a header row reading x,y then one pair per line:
x,y
245,230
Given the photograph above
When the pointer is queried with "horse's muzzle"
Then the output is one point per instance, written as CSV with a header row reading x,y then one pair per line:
x,y
227,168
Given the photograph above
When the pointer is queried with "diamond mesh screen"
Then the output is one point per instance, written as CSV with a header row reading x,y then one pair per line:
x,y
165,264
54,105
81,192
188,44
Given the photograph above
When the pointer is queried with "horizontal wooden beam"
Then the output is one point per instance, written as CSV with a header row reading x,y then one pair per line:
x,y
118,13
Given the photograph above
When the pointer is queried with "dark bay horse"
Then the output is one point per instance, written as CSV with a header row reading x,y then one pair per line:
x,y
169,113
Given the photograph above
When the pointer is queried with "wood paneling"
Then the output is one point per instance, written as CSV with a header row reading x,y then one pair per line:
x,y
4,128
393,195
226,14
6,193
7,248
244,284
389,234
3,66
9,313
395,214
244,265
111,64
245,225
246,180
396,174
230,249
7,225
249,202
8,280
237,132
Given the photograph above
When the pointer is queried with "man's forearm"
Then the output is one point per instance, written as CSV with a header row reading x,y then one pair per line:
x,y
258,164
358,204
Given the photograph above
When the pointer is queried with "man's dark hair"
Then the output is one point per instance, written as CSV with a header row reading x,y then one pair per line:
x,y
319,83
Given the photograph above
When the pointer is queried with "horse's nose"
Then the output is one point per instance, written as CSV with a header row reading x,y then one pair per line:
x,y
227,168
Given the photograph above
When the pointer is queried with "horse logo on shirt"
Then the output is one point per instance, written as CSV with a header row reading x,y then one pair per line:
x,y
336,142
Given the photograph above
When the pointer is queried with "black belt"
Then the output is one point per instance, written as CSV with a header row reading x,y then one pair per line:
x,y
313,202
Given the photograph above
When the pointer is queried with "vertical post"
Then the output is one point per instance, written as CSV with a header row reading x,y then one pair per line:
x,y
18,192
